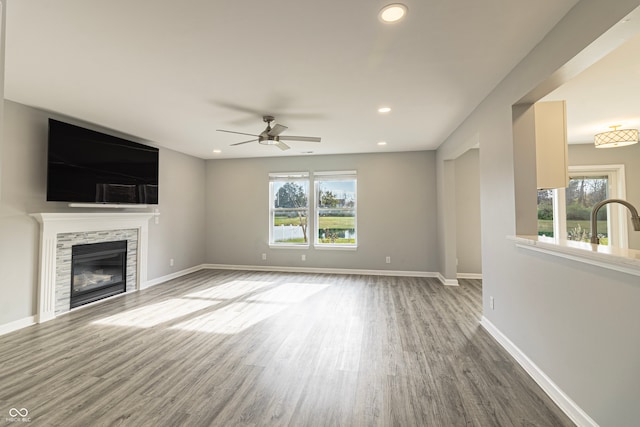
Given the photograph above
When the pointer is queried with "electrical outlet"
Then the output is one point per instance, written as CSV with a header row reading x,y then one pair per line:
x,y
264,256
171,262
492,303
388,260
304,257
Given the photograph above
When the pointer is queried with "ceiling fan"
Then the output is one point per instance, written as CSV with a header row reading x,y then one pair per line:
x,y
271,135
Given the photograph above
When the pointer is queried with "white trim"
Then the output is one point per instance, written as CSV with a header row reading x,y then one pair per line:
x,y
564,402
447,282
288,176
289,246
162,279
334,247
288,269
284,269
340,175
17,324
477,276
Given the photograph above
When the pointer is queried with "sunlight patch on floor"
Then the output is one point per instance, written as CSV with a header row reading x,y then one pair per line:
x,y
238,316
231,319
155,314
289,293
229,290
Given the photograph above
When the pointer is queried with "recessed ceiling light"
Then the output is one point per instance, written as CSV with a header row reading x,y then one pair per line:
x,y
216,151
393,12
384,109
382,143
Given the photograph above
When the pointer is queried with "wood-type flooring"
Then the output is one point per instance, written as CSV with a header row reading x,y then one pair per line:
x,y
240,348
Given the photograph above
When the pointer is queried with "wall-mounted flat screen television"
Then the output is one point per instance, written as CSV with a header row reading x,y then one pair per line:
x,y
85,166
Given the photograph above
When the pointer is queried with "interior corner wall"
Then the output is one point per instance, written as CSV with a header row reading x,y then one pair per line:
x,y
468,242
3,22
178,234
629,156
446,218
396,214
576,323
23,191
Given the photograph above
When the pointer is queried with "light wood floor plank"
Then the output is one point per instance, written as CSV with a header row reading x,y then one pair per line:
x,y
241,348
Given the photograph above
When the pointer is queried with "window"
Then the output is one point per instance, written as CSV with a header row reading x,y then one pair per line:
x,y
333,202
566,212
335,205
289,208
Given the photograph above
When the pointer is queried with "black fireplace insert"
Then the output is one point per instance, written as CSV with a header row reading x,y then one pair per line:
x,y
98,270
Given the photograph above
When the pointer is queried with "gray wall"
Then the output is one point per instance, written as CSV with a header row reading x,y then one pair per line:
x,y
467,183
578,324
629,156
23,183
396,212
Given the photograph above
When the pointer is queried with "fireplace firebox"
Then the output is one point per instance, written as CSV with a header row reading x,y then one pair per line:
x,y
98,270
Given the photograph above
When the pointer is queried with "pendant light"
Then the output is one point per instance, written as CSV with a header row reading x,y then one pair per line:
x,y
616,138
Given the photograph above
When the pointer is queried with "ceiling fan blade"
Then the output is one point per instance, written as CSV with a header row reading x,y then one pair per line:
x,y
238,107
301,138
239,133
277,130
244,142
281,145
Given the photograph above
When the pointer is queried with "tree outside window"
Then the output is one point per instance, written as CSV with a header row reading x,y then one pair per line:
x,y
289,211
566,212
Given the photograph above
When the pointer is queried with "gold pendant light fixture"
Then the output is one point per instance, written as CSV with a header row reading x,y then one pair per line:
x,y
616,138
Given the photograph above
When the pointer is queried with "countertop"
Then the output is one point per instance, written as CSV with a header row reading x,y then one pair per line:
x,y
624,260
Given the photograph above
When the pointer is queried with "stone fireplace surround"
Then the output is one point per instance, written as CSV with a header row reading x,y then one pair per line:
x,y
59,231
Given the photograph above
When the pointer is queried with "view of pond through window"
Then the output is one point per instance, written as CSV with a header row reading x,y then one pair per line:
x,y
336,211
325,218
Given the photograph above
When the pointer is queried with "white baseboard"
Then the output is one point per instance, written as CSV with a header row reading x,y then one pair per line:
x,y
447,282
323,270
566,404
171,276
17,324
289,269
476,276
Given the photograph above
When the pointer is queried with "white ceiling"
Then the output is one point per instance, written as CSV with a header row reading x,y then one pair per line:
x,y
173,72
605,94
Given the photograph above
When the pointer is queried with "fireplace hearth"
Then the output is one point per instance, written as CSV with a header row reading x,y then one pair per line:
x,y
98,270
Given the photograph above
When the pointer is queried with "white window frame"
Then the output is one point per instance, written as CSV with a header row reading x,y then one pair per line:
x,y
289,177
350,175
617,224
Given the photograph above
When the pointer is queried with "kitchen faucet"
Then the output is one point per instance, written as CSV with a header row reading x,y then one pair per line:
x,y
635,219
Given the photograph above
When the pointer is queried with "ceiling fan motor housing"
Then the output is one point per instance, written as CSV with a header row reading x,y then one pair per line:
x,y
271,135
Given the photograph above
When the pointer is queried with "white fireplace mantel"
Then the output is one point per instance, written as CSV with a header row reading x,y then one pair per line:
x,y
52,224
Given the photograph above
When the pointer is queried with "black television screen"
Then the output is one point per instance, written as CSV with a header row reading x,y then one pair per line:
x,y
85,166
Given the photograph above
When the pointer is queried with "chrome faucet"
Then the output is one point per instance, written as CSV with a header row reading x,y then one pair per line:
x,y
635,219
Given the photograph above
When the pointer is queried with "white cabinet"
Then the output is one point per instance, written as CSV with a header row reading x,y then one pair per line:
x,y
550,124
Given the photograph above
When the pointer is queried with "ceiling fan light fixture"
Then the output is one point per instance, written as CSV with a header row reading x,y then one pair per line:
x,y
616,138
392,12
